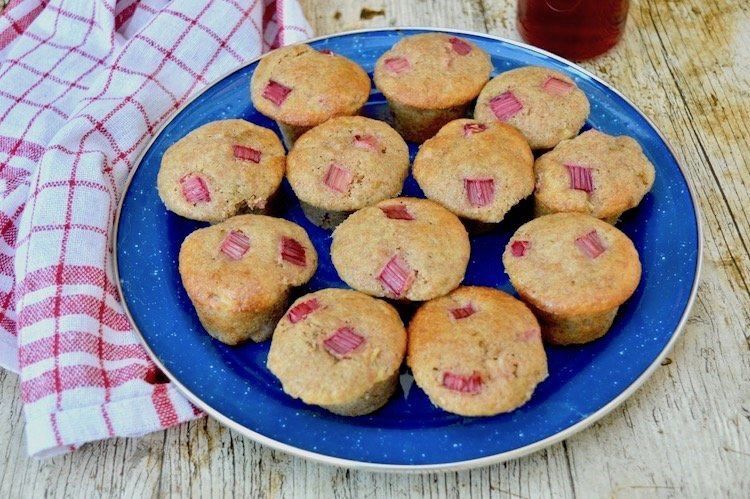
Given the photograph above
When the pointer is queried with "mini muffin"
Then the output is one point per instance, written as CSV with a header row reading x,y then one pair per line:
x,y
545,105
574,271
300,88
478,171
339,349
345,164
404,248
238,274
476,352
594,173
221,169
429,80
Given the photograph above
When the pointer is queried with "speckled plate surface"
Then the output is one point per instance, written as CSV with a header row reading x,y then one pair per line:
x,y
409,434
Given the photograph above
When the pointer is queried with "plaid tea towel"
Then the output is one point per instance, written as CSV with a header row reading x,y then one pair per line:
x,y
84,84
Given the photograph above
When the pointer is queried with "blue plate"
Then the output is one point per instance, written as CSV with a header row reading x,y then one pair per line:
x,y
233,385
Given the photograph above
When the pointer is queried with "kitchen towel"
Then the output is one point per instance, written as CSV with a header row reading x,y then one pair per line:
x,y
84,84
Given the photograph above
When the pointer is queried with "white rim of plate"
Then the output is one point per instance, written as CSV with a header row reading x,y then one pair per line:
x,y
422,468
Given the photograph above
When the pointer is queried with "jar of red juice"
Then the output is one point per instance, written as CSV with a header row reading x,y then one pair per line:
x,y
574,29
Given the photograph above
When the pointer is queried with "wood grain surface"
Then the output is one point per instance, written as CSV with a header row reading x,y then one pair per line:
x,y
685,433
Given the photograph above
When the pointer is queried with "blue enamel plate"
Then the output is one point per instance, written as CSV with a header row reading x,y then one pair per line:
x,y
234,386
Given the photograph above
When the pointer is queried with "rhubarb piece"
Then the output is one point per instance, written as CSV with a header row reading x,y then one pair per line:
x,y
590,244
463,312
366,142
293,252
530,335
302,310
344,341
580,178
194,189
246,153
459,46
505,106
464,384
480,191
235,245
557,86
518,248
326,51
397,212
396,276
338,178
397,65
276,92
472,128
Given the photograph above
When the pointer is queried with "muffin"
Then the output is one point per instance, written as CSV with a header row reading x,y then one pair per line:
x,y
300,88
476,352
339,349
545,105
594,173
478,171
345,164
429,80
405,248
574,271
221,169
238,274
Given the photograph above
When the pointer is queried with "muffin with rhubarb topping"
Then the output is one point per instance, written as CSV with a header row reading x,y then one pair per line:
x,y
593,173
339,349
574,271
476,352
300,88
404,248
545,105
221,169
429,80
345,164
476,170
238,274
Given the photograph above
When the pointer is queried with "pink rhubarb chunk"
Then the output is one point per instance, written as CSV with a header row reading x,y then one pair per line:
x,y
397,65
480,191
505,106
518,248
344,341
580,178
302,310
459,46
557,86
397,212
472,128
463,312
194,189
590,244
276,92
235,245
396,276
366,142
338,178
246,153
327,52
530,335
293,252
464,384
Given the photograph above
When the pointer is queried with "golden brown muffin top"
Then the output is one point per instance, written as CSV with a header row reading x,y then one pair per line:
x,y
476,170
432,71
572,264
476,352
300,86
545,105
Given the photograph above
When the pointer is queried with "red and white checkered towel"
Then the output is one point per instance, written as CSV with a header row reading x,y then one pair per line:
x,y
83,86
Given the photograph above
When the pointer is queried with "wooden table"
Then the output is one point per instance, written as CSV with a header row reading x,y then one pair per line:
x,y
685,433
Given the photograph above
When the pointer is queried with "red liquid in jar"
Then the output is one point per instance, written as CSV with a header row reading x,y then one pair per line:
x,y
575,29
